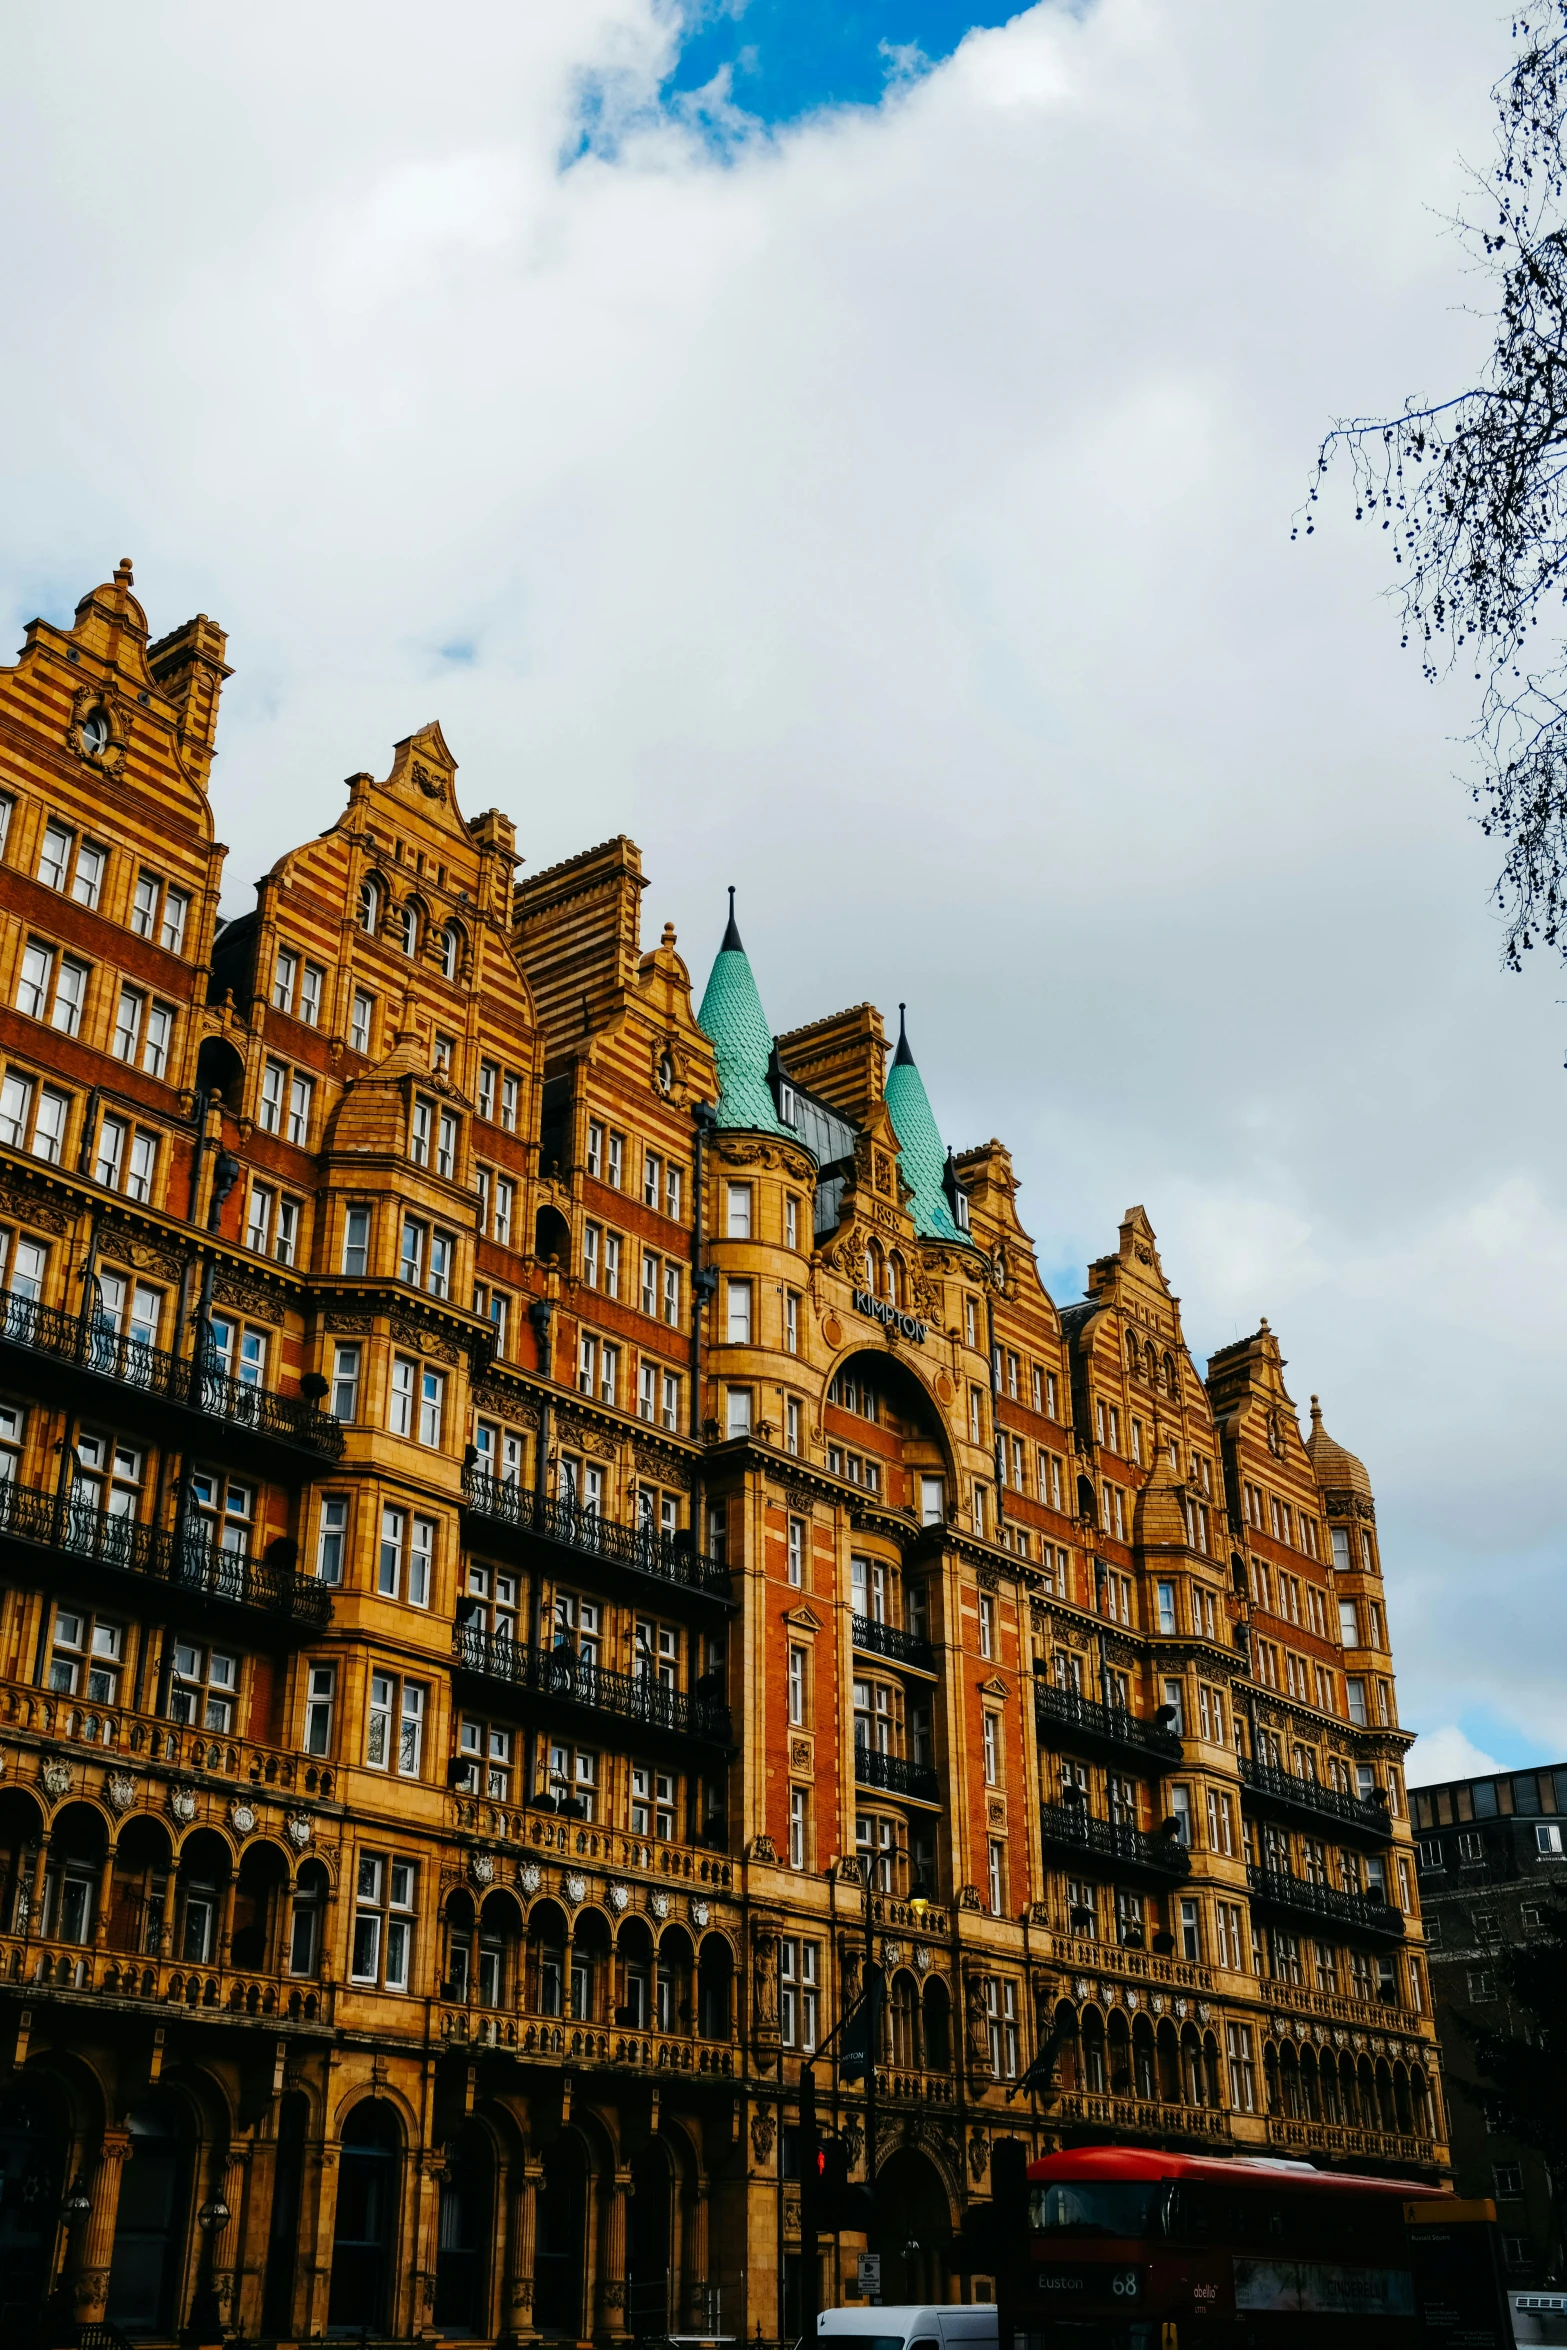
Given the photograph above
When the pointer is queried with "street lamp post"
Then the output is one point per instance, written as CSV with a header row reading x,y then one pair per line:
x,y
75,2205
206,2319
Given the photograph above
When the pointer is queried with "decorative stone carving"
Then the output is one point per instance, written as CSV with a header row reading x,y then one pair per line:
x,y
351,1325
530,1877
978,2155
619,1896
121,1791
700,1913
763,1848
891,1952
248,1297
764,1972
55,1777
242,1817
481,1868
298,1830
762,2131
658,1902
40,1212
576,1887
427,1341
182,1803
921,1958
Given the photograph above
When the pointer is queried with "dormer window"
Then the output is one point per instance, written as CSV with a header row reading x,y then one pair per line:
x,y
451,951
960,1208
410,930
788,1104
95,734
369,906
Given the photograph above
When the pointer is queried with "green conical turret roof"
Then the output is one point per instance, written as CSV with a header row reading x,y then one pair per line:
x,y
920,1151
733,1018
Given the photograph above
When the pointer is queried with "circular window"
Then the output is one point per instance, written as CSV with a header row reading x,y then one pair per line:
x,y
95,734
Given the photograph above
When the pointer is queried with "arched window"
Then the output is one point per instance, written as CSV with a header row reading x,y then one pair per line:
x,y
410,930
451,951
369,906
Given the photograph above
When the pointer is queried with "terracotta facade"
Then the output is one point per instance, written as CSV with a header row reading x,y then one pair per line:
x,y
515,1505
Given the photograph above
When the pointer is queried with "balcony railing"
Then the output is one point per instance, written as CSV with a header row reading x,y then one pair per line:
x,y
895,1776
1303,1797
1278,1889
671,1558
1071,1827
1302,2137
903,1648
1131,2113
35,1966
1058,1711
102,1352
561,1673
191,1565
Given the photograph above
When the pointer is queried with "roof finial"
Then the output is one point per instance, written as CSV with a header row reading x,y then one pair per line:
x,y
1316,1413
902,1057
731,944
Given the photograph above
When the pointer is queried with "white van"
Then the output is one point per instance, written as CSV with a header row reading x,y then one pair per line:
x,y
908,2327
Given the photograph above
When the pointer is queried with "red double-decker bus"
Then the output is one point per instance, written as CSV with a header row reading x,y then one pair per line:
x,y
1130,2249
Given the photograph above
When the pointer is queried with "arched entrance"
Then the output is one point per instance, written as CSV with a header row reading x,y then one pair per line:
x,y
462,2259
364,2241
560,2241
649,2235
147,2265
917,2247
32,2176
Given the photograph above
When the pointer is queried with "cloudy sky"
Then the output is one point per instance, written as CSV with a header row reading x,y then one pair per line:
x,y
853,450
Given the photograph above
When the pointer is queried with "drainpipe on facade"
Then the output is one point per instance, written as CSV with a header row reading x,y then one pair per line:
x,y
998,1442
541,1314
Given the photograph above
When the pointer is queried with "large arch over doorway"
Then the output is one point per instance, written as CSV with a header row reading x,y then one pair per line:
x,y
364,2240
561,2239
917,2250
152,2219
465,2234
650,2228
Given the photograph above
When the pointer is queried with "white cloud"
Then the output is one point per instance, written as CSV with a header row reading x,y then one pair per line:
x,y
893,519
1446,1754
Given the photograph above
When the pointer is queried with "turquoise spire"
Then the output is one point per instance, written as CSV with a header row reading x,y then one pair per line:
x,y
920,1152
733,1018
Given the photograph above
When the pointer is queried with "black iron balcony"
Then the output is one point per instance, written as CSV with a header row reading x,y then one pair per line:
x,y
561,1674
1109,1728
1115,1844
1361,1913
191,1565
644,1550
903,1648
135,1369
895,1776
1271,1788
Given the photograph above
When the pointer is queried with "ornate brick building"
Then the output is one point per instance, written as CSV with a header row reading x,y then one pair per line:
x,y
524,1509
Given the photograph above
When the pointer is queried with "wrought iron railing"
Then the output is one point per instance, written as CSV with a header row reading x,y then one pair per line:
x,y
190,1563
1297,1793
1278,1889
96,1347
903,1648
1056,1710
560,1672
1072,1826
895,1775
672,1558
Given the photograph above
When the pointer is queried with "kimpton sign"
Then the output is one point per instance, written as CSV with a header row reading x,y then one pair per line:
x,y
882,1309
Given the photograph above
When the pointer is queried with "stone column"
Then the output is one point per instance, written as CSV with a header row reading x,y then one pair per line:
x,y
691,2317
105,1896
230,2179
33,1894
96,2247
517,2309
226,1920
319,2274
612,2312
424,2219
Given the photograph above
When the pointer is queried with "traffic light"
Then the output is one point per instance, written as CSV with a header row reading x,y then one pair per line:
x,y
841,2208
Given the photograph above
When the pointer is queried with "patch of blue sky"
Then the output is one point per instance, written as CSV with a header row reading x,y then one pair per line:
x,y
739,65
